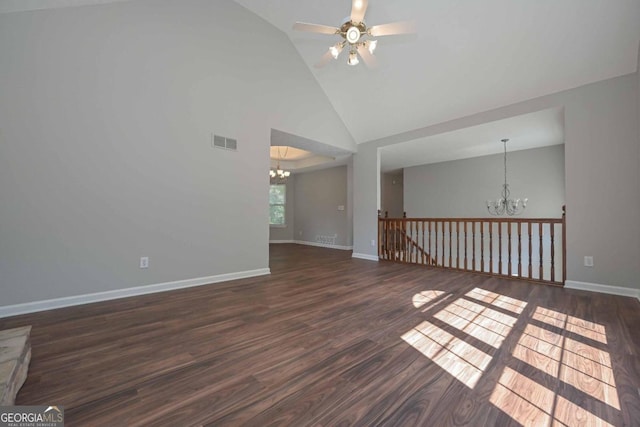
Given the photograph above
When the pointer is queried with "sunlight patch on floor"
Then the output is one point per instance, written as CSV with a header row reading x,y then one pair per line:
x,y
531,404
523,399
502,301
564,350
482,324
460,359
572,324
425,297
564,357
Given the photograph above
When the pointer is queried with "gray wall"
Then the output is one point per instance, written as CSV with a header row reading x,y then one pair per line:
x,y
602,174
317,197
286,233
392,194
460,188
105,121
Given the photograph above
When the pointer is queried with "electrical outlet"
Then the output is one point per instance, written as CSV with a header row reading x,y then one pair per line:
x,y
588,261
144,262
373,242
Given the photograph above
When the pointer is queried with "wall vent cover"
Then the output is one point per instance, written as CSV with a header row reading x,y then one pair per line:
x,y
224,142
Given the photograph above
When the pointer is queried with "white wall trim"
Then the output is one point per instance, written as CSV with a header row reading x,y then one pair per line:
x,y
365,256
32,307
277,242
323,245
603,289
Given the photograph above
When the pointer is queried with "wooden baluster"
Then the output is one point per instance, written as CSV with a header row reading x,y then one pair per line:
x,y
424,242
404,241
389,239
564,244
541,251
458,245
380,237
424,252
414,249
482,246
553,252
519,249
435,226
465,245
491,247
407,230
395,237
429,240
499,248
509,246
385,247
401,240
419,257
443,253
530,250
473,242
450,244
408,240
400,251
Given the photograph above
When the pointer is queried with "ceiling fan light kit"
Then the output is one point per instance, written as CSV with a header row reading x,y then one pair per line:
x,y
356,33
353,58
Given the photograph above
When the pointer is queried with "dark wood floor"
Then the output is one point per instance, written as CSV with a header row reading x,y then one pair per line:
x,y
329,340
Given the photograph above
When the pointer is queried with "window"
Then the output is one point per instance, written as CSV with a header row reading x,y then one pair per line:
x,y
277,201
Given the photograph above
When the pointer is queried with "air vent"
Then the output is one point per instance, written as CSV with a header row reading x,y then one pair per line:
x,y
224,142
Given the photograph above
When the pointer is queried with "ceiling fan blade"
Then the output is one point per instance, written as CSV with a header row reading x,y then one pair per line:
x,y
367,57
315,28
326,58
358,9
402,27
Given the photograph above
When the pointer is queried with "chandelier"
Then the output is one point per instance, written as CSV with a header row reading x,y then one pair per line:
x,y
278,172
506,205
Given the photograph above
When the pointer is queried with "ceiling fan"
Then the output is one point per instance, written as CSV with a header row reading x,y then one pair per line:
x,y
355,35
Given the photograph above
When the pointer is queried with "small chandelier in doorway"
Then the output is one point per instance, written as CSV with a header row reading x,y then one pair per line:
x,y
280,173
506,205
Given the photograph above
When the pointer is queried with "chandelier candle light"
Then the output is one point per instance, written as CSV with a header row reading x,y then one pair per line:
x,y
506,205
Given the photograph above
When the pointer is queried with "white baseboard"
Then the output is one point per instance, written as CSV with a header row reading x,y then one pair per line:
x,y
603,289
277,242
32,307
365,256
323,245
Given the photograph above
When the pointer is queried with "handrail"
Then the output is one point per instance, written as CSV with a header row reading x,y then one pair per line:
x,y
519,248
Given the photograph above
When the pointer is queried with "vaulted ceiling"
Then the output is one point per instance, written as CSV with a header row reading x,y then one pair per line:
x,y
467,56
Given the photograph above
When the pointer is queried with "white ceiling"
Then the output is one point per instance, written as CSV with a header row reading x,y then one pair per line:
x,y
8,6
467,57
539,129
